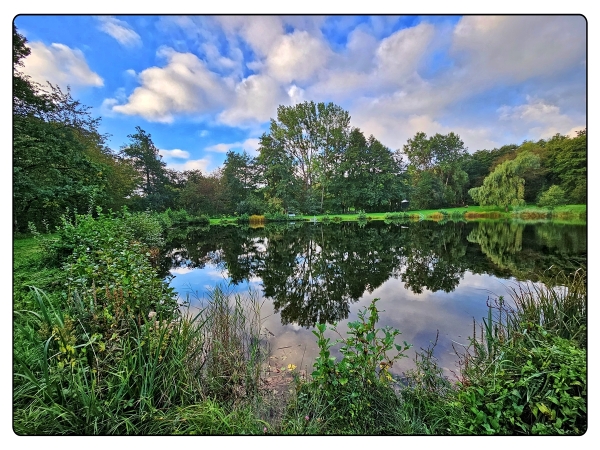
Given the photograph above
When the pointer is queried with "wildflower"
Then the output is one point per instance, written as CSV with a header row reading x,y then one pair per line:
x,y
306,418
291,367
264,429
151,314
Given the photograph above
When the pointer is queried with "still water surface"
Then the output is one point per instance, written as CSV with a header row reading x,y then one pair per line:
x,y
430,277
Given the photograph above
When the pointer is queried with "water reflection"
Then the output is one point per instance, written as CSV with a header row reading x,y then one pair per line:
x,y
314,272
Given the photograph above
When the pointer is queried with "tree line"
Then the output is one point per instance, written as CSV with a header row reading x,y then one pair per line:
x,y
311,161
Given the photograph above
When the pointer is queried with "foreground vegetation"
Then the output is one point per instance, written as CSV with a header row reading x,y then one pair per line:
x,y
101,346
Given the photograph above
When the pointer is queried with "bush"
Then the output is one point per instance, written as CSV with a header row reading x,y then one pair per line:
x,y
145,227
251,205
355,394
176,217
112,354
86,232
243,218
199,220
554,196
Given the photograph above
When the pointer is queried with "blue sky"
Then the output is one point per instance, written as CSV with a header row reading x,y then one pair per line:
x,y
201,85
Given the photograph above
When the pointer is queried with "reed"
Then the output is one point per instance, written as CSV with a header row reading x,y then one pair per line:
x,y
69,380
256,220
483,215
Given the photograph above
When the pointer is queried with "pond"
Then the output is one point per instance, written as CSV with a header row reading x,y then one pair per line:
x,y
430,277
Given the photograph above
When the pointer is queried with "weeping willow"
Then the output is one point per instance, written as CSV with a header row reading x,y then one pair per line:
x,y
505,186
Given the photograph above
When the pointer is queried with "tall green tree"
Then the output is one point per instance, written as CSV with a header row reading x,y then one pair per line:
x,y
52,173
479,164
312,137
369,177
276,174
567,163
436,170
203,194
154,184
239,177
28,97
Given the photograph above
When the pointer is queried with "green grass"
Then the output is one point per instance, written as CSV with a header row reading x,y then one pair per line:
x,y
24,249
562,214
197,375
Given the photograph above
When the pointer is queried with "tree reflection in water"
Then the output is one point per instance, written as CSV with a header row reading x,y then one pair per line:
x,y
313,272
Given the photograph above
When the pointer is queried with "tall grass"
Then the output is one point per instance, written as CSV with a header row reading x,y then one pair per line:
x,y
527,372
257,221
559,305
233,350
66,383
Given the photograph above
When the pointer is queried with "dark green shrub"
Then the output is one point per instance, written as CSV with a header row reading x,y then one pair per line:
x,y
251,205
243,218
278,217
199,220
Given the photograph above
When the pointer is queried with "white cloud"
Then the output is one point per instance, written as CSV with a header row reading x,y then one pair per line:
x,y
360,50
249,145
391,100
184,85
256,100
296,94
120,30
60,65
384,83
223,63
297,56
369,70
193,164
393,126
131,72
260,32
399,54
107,106
174,154
538,119
516,48
573,131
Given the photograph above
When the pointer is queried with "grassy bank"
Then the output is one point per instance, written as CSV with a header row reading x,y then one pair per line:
x,y
105,348
563,214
